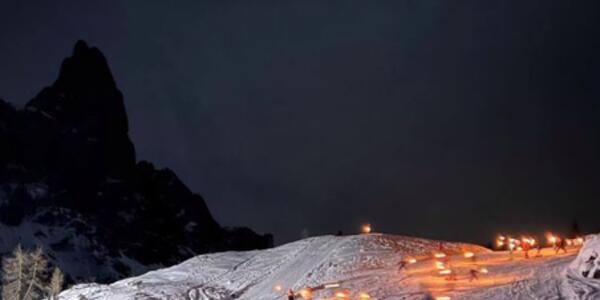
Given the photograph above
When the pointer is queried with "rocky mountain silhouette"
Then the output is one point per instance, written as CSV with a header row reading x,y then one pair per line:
x,y
70,182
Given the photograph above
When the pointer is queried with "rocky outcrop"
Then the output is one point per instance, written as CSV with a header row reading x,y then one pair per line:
x,y
582,277
69,180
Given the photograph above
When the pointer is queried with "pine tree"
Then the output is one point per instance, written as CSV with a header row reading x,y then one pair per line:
x,y
56,283
38,266
24,275
13,280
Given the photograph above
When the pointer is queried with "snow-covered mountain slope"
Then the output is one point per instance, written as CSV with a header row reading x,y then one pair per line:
x,y
367,264
360,263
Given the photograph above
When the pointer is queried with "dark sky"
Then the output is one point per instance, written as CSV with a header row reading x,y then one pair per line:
x,y
447,119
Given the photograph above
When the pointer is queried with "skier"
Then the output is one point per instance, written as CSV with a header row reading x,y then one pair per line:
x,y
290,294
562,245
473,275
526,247
402,264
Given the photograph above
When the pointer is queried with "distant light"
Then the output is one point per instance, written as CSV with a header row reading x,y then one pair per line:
x,y
332,285
366,228
445,272
439,255
442,298
469,254
484,270
440,265
278,288
364,296
412,260
306,293
341,295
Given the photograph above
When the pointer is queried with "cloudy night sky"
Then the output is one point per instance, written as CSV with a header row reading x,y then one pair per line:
x,y
442,119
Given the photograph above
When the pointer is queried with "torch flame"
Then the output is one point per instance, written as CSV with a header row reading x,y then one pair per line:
x,y
445,272
306,293
366,228
364,296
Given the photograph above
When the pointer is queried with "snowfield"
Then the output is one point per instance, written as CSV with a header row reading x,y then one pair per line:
x,y
366,264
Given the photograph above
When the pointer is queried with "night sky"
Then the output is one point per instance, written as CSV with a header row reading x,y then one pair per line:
x,y
442,119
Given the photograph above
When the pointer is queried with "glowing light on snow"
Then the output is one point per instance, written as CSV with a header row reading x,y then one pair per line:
x,y
484,270
364,296
440,265
552,239
341,295
306,293
445,272
412,260
469,254
278,288
439,255
332,285
366,228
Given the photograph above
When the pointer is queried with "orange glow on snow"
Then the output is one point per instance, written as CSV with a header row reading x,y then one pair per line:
x,y
445,272
306,293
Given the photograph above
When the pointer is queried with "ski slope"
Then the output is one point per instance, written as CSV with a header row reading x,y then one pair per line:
x,y
362,263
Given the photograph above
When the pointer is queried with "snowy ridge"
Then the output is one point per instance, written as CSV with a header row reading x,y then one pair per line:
x,y
366,263
582,277
253,274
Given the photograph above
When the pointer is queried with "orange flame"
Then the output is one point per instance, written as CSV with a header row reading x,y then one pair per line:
x,y
366,228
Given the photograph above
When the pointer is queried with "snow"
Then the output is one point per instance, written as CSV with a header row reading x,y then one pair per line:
x,y
582,278
363,263
76,254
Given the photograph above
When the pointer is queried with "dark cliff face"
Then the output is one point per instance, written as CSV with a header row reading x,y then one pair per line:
x,y
68,155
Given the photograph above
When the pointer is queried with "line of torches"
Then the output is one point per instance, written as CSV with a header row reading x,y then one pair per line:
x,y
513,244
502,241
306,293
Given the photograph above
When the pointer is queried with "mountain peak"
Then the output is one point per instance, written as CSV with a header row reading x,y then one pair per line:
x,y
85,69
80,46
